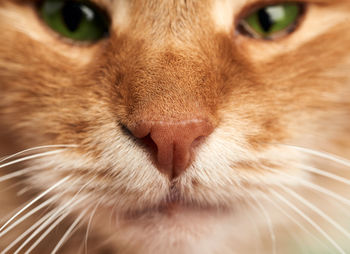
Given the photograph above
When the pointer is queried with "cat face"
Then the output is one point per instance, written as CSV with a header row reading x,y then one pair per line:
x,y
177,117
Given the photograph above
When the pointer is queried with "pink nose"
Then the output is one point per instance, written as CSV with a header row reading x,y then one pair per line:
x,y
174,141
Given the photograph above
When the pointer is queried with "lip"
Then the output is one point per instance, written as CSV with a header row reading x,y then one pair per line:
x,y
175,209
165,209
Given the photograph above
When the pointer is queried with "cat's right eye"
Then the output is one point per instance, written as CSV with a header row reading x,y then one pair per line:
x,y
78,20
271,21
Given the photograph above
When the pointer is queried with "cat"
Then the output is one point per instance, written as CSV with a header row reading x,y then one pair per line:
x,y
179,126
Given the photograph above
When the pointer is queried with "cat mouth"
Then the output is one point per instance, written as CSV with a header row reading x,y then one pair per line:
x,y
174,209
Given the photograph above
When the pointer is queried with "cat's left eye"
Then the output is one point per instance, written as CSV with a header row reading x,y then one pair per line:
x,y
271,21
78,20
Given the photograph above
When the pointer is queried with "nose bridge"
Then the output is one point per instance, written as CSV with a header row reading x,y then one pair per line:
x,y
173,85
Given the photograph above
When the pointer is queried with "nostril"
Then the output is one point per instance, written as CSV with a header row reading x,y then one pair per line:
x,y
149,144
145,141
126,131
197,142
172,142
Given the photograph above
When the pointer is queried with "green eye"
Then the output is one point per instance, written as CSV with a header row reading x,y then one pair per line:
x,y
271,22
78,20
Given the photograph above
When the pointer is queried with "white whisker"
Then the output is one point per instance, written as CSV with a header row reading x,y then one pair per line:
x,y
321,154
24,189
37,148
53,217
113,212
17,173
313,186
34,200
47,202
13,185
326,174
309,220
68,232
33,211
47,231
316,210
32,157
25,233
276,205
90,222
269,222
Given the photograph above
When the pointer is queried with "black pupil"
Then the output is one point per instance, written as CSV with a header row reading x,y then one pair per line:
x,y
265,20
72,15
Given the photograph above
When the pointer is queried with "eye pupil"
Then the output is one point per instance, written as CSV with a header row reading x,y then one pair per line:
x,y
265,20
72,15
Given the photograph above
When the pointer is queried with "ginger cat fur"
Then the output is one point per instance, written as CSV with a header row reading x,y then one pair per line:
x,y
270,174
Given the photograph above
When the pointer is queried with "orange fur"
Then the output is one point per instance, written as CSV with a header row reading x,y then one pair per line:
x,y
170,60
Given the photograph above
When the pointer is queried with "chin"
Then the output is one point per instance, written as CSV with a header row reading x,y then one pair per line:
x,y
169,228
